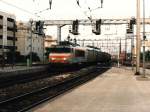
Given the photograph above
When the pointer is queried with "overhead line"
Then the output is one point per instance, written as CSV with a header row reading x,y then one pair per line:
x,y
18,8
42,11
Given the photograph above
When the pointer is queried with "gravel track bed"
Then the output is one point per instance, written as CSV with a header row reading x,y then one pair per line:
x,y
19,89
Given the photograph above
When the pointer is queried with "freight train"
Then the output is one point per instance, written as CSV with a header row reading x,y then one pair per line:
x,y
71,54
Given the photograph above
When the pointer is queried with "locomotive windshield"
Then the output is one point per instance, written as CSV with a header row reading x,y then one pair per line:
x,y
60,50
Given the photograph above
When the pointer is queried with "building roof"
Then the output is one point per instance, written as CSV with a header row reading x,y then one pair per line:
x,y
9,15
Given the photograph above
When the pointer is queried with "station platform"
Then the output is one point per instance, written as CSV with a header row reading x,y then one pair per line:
x,y
117,90
16,68
9,70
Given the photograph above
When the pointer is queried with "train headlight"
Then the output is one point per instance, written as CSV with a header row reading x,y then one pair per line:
x,y
64,58
53,58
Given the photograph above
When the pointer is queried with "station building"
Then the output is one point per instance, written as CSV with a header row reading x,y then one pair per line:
x,y
24,42
49,41
7,34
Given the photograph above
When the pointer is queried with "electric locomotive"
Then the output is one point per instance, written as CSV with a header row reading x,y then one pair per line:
x,y
67,53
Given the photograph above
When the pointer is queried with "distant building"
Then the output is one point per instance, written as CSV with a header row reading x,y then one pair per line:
x,y
49,41
24,42
7,22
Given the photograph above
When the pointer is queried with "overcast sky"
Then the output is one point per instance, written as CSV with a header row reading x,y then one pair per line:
x,y
68,9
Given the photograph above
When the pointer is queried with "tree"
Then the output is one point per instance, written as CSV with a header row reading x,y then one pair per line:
x,y
35,57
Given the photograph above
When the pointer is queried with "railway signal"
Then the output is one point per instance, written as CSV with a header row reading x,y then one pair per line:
x,y
131,25
97,27
75,26
39,27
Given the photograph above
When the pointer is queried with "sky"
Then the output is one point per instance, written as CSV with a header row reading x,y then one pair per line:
x,y
68,9
24,10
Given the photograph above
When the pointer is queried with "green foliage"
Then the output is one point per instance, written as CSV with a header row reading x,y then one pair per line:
x,y
47,52
35,57
147,56
18,57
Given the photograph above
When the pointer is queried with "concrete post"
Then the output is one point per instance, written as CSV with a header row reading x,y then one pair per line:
x,y
31,23
143,38
138,39
58,34
132,51
14,44
119,56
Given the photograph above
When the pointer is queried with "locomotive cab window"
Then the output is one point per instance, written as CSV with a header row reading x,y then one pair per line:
x,y
79,53
60,50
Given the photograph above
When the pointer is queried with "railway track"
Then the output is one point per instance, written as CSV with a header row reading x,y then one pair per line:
x,y
28,100
7,81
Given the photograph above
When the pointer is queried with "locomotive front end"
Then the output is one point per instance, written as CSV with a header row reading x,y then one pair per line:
x,y
60,55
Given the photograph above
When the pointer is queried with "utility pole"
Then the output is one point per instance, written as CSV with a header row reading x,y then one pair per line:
x,y
132,51
138,40
125,48
144,37
14,42
3,55
31,23
44,48
119,52
58,34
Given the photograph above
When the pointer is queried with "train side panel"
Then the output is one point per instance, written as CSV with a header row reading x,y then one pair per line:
x,y
77,55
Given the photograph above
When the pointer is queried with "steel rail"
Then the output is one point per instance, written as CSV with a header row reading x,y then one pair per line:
x,y
66,83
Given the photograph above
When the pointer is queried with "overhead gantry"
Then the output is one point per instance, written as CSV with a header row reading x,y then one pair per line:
x,y
61,23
